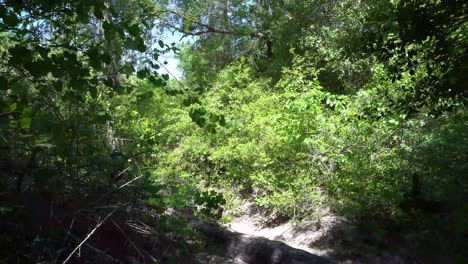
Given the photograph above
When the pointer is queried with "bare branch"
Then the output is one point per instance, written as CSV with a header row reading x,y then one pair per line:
x,y
89,235
208,28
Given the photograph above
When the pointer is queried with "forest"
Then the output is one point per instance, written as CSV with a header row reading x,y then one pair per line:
x,y
301,109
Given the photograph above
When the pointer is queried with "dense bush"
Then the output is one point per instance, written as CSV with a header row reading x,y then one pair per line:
x,y
358,106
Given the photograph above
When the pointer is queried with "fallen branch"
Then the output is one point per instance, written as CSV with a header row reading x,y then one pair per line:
x,y
89,235
96,249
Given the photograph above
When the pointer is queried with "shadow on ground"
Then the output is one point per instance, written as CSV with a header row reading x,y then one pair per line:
x,y
226,246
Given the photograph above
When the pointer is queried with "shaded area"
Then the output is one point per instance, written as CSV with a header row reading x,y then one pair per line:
x,y
50,229
241,248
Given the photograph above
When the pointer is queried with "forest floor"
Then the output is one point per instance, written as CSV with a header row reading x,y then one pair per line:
x,y
255,237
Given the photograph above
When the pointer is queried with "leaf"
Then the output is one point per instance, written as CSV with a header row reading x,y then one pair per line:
x,y
5,210
222,121
44,145
146,95
102,118
11,20
108,30
140,44
222,202
13,107
109,82
27,112
211,128
156,81
200,121
214,118
197,116
79,84
43,67
93,91
25,122
141,74
98,13
128,69
134,30
19,55
106,58
161,43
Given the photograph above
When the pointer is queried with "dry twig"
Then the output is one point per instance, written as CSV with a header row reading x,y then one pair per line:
x,y
89,235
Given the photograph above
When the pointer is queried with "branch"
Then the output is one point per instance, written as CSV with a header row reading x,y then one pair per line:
x,y
209,28
95,249
89,235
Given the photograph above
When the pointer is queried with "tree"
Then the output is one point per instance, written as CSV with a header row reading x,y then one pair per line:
x,y
224,31
63,65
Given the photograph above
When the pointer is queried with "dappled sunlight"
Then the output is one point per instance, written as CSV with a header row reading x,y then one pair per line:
x,y
216,131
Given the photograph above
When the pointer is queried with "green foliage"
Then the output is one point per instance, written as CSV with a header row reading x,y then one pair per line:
x,y
361,109
359,106
70,110
57,79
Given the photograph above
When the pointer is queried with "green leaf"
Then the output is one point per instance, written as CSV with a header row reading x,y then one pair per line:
x,y
108,30
211,128
141,74
27,112
19,55
140,44
5,210
222,201
109,82
25,122
93,91
156,81
128,69
102,118
13,107
214,118
200,121
79,84
106,58
222,121
11,19
197,116
134,30
161,43
44,145
58,86
98,13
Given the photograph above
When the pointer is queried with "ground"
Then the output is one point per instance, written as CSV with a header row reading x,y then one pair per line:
x,y
256,238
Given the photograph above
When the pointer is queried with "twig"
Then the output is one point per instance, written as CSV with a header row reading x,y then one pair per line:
x,y
122,172
89,235
95,249
112,191
70,228
127,183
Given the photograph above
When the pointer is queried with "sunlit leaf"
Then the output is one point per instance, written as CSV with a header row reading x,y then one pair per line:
x,y
25,122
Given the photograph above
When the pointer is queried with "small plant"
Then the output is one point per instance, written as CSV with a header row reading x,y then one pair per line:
x,y
226,219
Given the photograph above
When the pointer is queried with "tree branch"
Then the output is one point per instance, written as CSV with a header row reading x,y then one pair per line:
x,y
209,28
